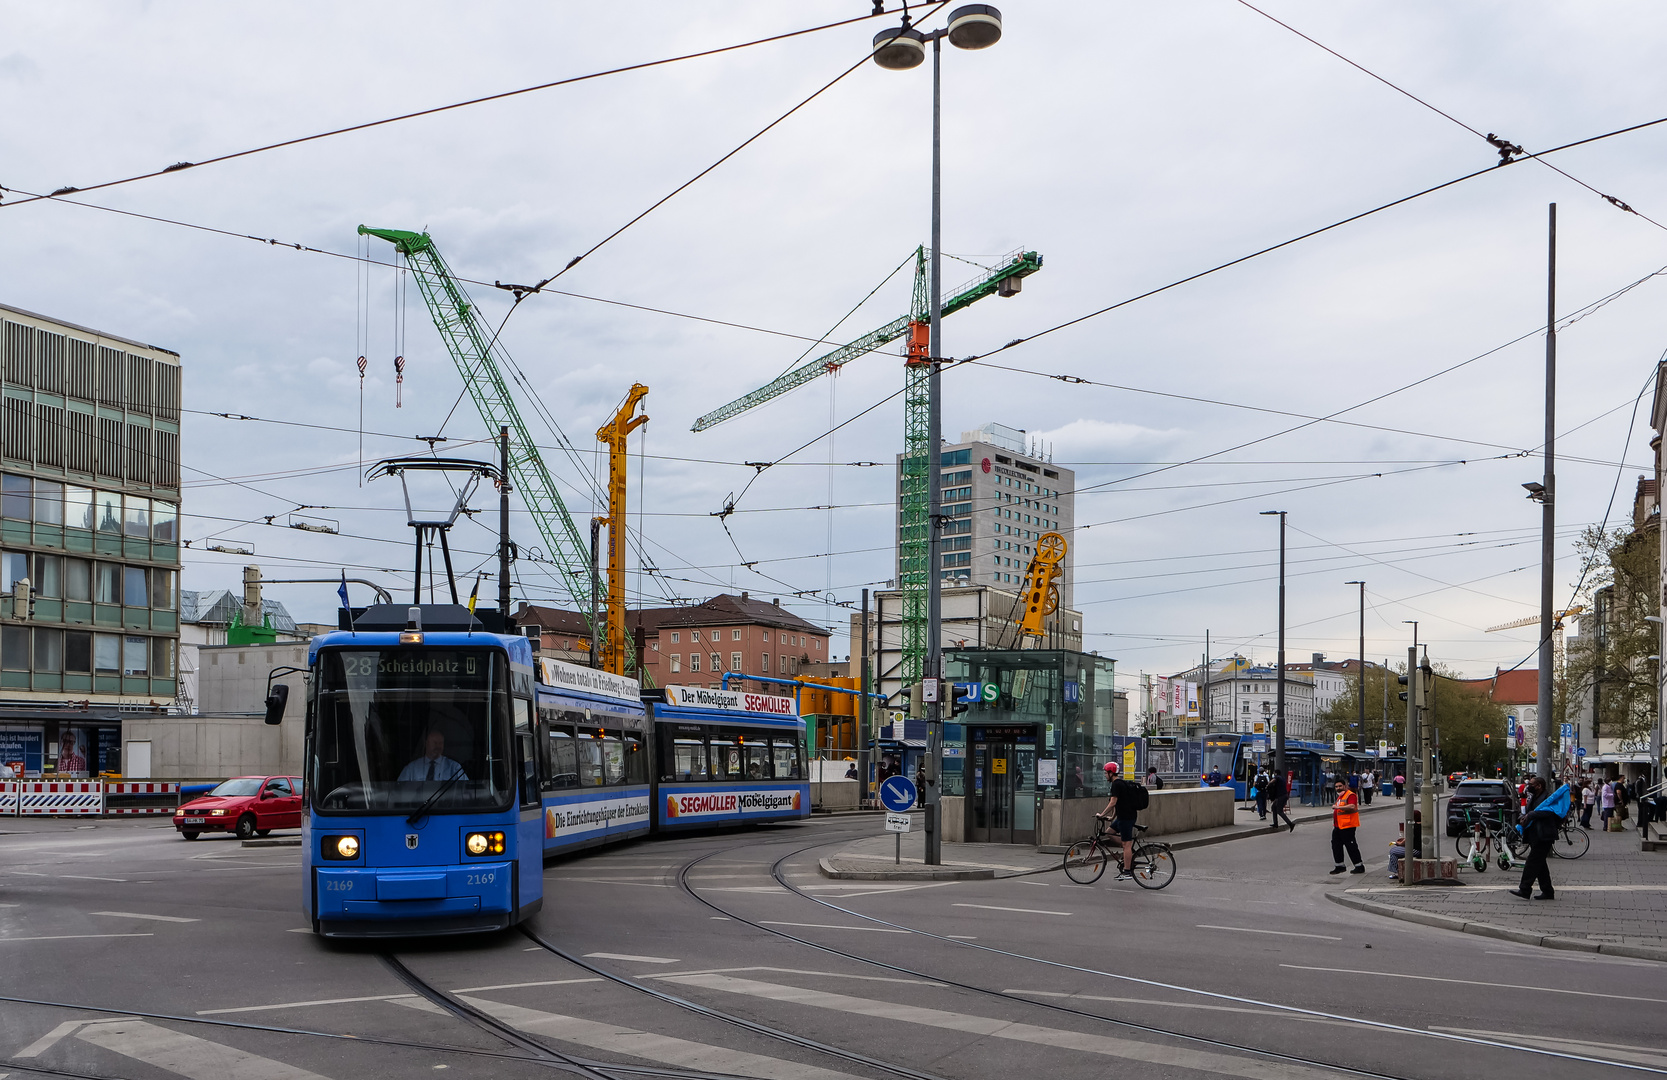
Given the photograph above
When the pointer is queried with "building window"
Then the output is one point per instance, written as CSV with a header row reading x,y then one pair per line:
x,y
735,661
766,636
78,506
78,651
676,663
717,663
162,592
137,520
735,635
694,661
107,511
162,658
135,589
49,650
764,662
78,581
783,669
49,502
13,566
48,579
135,656
655,645
816,643
14,648
675,637
14,497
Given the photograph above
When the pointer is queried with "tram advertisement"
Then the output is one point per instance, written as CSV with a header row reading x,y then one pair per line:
x,y
702,804
579,817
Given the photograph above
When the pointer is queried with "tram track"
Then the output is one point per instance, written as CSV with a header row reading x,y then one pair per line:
x,y
777,875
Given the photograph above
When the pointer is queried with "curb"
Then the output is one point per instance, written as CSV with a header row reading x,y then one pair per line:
x,y
277,842
939,874
1503,933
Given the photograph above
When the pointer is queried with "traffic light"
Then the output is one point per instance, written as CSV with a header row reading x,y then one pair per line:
x,y
957,705
1487,739
1403,681
917,703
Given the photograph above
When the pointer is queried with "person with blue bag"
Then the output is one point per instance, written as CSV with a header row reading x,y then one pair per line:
x,y
1539,827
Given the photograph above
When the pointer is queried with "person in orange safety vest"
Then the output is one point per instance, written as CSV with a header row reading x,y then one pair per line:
x,y
1345,819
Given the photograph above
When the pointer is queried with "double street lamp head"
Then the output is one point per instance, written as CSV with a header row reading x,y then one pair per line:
x,y
972,26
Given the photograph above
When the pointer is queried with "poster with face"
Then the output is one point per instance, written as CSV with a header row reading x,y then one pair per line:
x,y
72,752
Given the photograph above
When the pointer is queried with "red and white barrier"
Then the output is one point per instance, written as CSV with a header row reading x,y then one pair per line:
x,y
141,797
70,797
8,798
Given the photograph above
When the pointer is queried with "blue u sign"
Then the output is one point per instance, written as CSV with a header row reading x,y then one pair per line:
x,y
898,794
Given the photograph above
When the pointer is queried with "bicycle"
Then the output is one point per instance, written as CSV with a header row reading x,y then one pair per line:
x,y
1572,841
1085,860
1487,836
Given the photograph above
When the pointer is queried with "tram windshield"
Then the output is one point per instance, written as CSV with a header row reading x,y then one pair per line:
x,y
399,727
1218,754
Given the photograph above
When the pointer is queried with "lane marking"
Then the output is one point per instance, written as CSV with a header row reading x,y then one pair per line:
x,y
992,1027
1561,955
1473,982
616,881
187,1055
518,986
1507,888
1024,910
1642,1055
619,1039
1272,1014
11,905
46,1042
1281,933
800,971
140,915
299,1004
69,937
830,926
634,959
962,937
89,877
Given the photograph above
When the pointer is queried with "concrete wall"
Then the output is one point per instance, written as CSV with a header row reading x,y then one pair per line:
x,y
841,794
1065,821
954,811
232,678
192,747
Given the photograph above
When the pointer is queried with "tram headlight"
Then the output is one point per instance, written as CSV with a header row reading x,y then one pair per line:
x,y
339,848
484,843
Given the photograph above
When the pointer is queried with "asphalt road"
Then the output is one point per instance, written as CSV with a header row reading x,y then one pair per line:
x,y
688,957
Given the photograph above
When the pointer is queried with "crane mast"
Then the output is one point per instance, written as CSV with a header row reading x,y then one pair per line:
x,y
614,435
470,345
914,496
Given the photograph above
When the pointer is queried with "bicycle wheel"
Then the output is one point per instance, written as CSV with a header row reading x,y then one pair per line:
x,y
1572,843
1154,866
1085,861
1473,850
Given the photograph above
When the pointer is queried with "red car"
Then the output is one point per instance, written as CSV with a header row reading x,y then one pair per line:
x,y
247,805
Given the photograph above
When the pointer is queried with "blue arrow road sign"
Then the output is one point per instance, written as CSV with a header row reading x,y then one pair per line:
x,y
898,793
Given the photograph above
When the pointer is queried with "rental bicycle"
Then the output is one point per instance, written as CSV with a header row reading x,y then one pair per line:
x,y
1491,836
1572,841
1085,860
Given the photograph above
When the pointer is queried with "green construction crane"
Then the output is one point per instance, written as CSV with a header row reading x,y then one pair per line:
x,y
913,535
470,344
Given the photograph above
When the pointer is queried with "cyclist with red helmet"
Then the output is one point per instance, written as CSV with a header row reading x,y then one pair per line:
x,y
1121,815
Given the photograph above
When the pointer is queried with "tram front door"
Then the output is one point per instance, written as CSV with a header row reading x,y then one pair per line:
x,y
1003,795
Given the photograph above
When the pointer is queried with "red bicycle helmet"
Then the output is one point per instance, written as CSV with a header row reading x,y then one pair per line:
x,y
1111,768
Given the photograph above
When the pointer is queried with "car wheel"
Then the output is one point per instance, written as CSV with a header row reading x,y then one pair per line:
x,y
190,834
246,827
263,832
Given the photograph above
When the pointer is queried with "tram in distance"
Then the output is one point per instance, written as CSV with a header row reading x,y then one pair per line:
x,y
444,762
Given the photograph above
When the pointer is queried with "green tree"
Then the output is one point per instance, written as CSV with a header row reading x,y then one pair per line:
x,y
1460,711
1608,678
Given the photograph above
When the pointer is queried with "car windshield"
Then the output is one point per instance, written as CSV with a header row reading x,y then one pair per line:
x,y
243,785
399,725
1478,788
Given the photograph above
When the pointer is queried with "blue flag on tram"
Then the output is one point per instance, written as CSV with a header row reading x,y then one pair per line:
x,y
341,591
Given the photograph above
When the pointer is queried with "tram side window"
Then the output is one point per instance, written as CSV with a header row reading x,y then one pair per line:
x,y
591,771
759,766
636,760
786,754
613,759
689,759
562,761
726,760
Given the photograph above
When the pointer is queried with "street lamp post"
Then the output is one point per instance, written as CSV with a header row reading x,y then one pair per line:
x,y
1362,585
1279,684
1656,737
973,26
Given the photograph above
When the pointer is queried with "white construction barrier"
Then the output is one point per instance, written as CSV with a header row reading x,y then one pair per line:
x,y
70,797
141,797
8,798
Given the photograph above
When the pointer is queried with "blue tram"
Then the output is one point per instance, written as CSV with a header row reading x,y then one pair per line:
x,y
726,757
423,810
1309,762
593,760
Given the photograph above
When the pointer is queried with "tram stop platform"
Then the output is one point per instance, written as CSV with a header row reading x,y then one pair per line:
x,y
875,858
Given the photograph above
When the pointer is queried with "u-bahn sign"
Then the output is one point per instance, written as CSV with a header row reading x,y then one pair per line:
x,y
973,692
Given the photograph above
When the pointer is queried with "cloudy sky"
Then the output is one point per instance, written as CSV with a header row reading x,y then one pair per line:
x,y
1130,144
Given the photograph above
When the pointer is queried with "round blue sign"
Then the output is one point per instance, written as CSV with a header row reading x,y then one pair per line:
x,y
898,794
1580,751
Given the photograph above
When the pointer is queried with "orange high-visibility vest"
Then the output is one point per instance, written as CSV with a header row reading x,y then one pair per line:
x,y
1345,812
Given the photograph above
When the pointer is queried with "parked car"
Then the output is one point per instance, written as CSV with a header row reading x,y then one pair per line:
x,y
247,805
1493,797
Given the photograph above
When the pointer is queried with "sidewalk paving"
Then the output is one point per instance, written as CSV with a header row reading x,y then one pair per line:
x,y
1612,900
873,858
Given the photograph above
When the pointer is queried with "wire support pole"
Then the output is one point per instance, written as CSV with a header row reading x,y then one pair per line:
x,y
934,490
1548,508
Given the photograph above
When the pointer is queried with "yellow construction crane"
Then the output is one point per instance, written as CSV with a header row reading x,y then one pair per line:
x,y
1041,587
1556,619
614,433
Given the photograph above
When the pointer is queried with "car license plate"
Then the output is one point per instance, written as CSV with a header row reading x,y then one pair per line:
x,y
193,821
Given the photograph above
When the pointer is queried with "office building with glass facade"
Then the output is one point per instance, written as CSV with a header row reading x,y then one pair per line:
x,y
89,540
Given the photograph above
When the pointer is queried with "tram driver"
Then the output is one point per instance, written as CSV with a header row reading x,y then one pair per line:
x,y
433,764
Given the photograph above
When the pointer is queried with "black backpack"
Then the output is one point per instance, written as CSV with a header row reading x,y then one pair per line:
x,y
1134,796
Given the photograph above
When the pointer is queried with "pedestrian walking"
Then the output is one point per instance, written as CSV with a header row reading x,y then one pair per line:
x,y
1623,796
1606,804
1260,792
1588,800
1539,827
1345,819
1279,793
1368,781
1400,785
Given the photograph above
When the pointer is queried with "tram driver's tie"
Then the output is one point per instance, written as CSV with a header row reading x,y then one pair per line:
x,y
431,770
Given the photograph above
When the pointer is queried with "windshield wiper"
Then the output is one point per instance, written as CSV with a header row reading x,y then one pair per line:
x,y
439,791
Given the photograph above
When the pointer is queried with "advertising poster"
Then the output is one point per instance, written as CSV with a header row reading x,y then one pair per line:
x,y
701,804
1177,697
1192,699
23,746
72,752
109,749
574,819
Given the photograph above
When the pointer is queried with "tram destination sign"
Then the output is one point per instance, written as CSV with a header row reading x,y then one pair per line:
x,y
589,680
701,697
